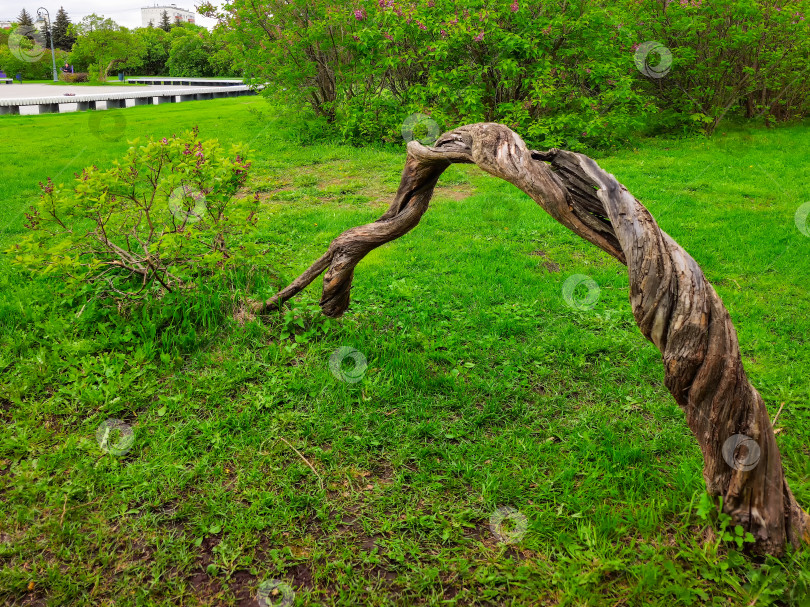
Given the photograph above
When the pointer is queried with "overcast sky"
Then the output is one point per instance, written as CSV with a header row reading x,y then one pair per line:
x,y
123,12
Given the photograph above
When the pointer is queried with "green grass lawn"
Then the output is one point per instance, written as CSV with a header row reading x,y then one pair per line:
x,y
483,390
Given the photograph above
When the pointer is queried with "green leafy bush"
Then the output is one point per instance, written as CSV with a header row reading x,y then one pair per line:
x,y
562,73
165,217
33,62
194,51
745,58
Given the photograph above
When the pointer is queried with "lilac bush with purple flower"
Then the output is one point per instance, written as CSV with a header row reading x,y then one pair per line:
x,y
168,213
551,70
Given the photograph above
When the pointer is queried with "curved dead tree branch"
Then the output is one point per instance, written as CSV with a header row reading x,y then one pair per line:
x,y
674,305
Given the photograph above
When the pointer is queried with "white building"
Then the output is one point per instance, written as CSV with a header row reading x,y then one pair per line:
x,y
154,14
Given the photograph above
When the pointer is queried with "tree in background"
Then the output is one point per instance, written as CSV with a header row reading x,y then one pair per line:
x,y
157,45
63,38
165,24
102,45
13,64
224,59
197,52
91,23
190,49
35,64
25,19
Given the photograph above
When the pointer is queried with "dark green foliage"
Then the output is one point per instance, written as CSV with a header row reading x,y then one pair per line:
x,y
567,74
197,52
40,69
165,22
25,19
185,50
63,38
157,45
103,50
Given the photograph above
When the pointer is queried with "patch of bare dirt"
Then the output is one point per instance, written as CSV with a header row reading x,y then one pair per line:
x,y
548,264
337,178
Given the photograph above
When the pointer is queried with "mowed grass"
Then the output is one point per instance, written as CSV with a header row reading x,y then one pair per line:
x,y
253,462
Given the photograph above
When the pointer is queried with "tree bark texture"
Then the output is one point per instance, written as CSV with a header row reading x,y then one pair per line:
x,y
674,306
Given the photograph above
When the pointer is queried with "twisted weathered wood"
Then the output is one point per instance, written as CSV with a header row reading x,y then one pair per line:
x,y
674,305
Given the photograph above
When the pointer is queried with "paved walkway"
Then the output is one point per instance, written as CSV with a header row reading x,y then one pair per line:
x,y
21,91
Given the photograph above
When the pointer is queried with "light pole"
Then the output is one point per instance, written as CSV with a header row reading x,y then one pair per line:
x,y
48,31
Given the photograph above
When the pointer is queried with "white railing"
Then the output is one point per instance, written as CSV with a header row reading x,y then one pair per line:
x,y
86,102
